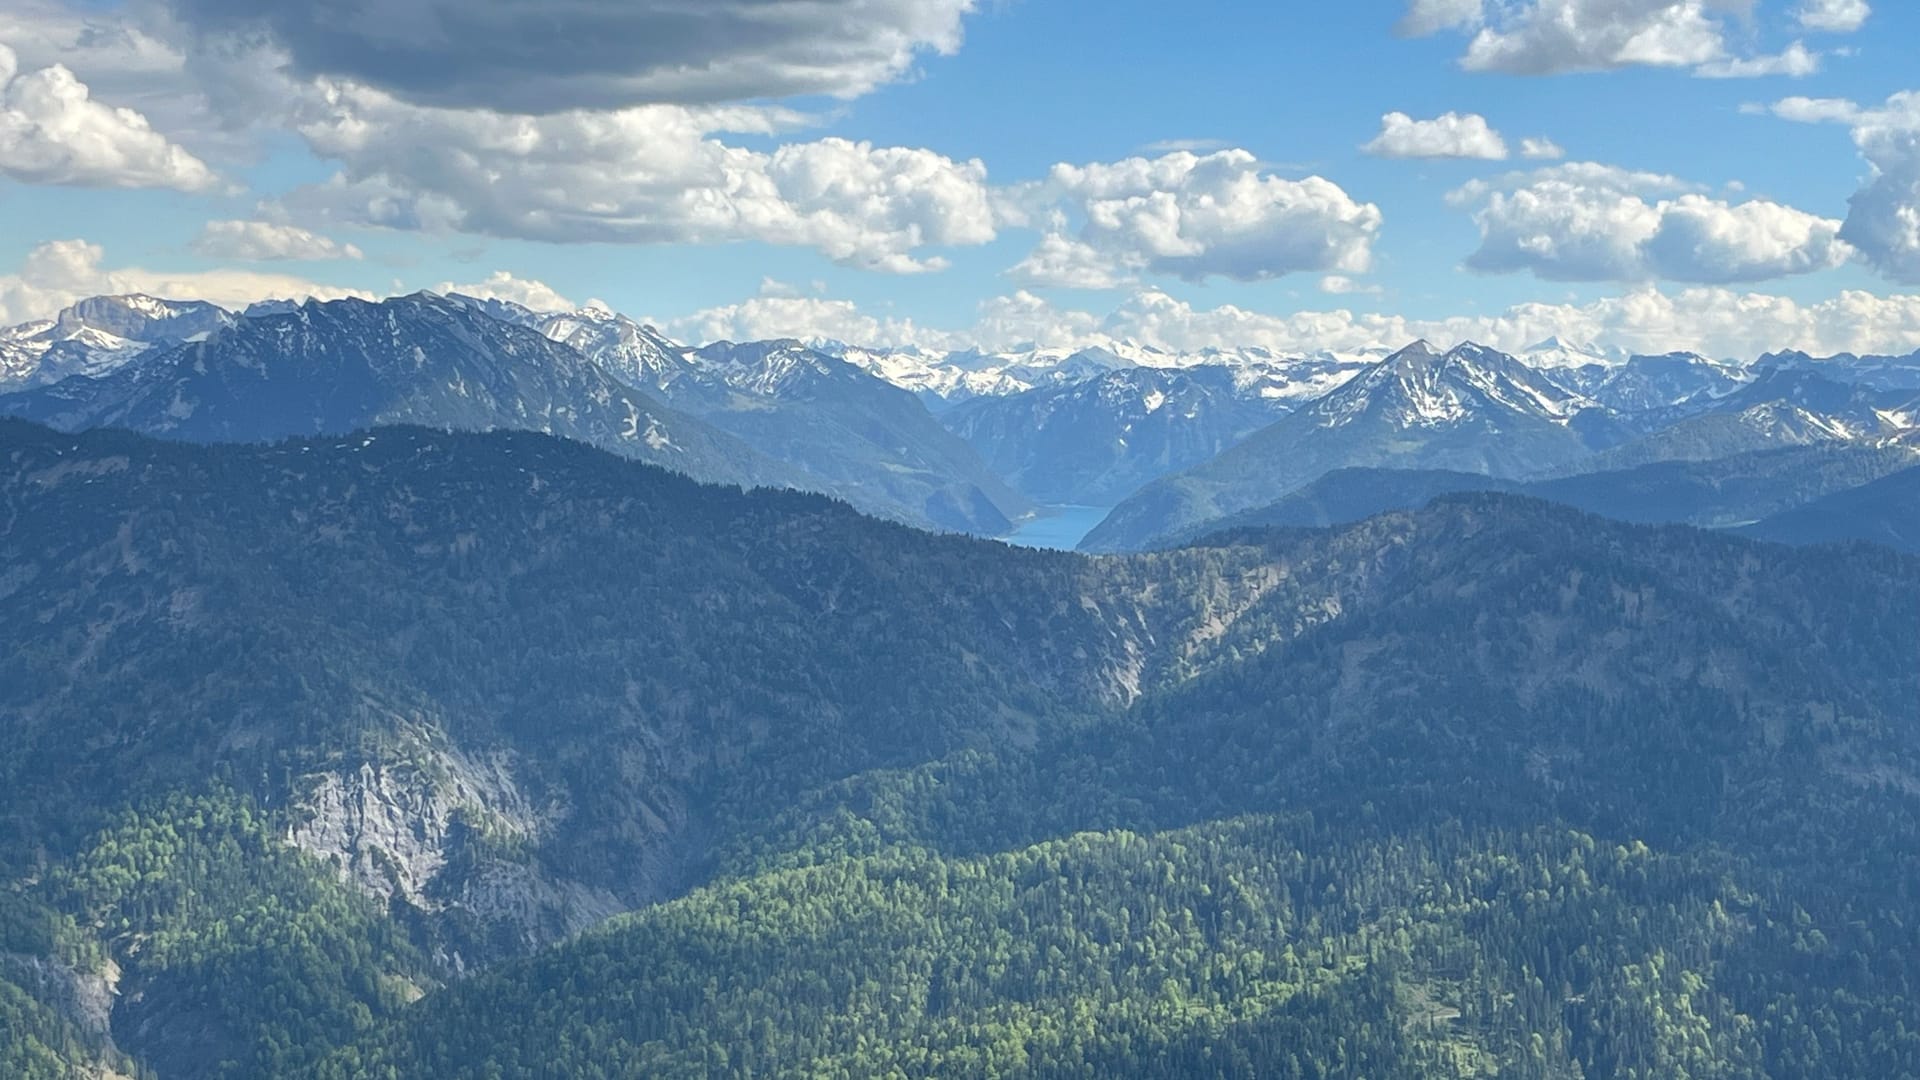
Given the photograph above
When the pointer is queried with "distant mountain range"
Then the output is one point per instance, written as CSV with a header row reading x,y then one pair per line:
x,y
1470,409
1879,372
1094,442
1661,387
1475,411
849,433
328,368
943,380
947,379
1783,407
964,441
779,415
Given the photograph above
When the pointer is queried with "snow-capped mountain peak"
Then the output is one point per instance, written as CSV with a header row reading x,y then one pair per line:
x,y
1421,387
1558,354
768,368
633,352
98,335
138,317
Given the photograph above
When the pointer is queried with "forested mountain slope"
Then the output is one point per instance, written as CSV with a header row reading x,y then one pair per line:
x,y
1551,797
300,733
510,625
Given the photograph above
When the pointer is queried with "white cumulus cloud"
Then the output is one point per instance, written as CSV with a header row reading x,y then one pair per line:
x,y
1883,217
809,318
1449,135
265,241
53,132
1833,16
502,285
662,173
1795,61
651,174
1806,110
1594,224
1715,321
1189,216
1553,37
1592,174
1541,150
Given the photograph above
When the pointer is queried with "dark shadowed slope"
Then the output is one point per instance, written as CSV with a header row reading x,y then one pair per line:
x,y
1714,494
1884,512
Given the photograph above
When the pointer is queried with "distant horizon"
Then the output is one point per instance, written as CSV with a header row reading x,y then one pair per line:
x,y
1599,349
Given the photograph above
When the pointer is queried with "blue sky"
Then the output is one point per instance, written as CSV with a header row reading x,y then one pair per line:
x,y
712,188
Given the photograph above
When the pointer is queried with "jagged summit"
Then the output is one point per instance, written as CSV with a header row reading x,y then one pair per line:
x,y
1422,387
139,317
1469,409
100,334
634,352
1895,372
1785,406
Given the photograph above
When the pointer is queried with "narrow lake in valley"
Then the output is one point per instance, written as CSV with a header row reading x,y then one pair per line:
x,y
1059,527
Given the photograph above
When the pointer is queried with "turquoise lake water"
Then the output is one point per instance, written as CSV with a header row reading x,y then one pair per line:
x,y
1062,528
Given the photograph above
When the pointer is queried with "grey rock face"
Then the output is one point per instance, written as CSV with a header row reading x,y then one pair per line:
x,y
455,835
